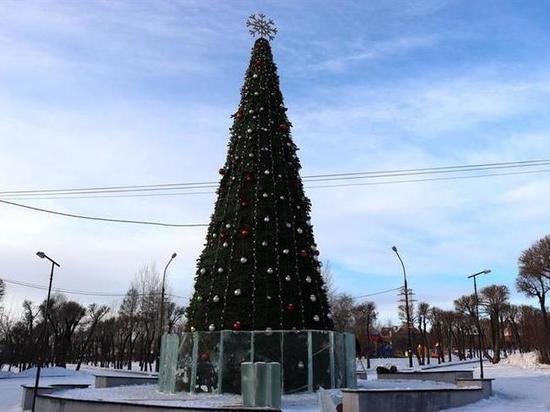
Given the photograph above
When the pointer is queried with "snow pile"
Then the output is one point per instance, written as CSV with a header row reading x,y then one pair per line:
x,y
529,360
47,372
6,374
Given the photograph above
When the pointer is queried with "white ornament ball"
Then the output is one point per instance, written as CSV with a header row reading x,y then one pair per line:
x,y
266,172
244,260
266,219
193,329
216,299
225,244
220,270
308,279
316,318
313,247
287,278
251,111
270,271
214,235
211,327
288,225
254,75
300,230
286,251
247,131
282,197
228,225
268,297
312,298
301,364
264,243
264,194
251,155
237,292
202,271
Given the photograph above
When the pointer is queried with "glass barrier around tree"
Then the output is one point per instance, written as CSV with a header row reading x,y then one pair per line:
x,y
211,361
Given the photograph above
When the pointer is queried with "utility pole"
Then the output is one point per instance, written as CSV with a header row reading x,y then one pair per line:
x,y
41,349
407,312
478,323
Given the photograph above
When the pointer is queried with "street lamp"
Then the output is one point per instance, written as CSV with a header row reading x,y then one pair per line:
x,y
42,255
161,323
474,276
407,313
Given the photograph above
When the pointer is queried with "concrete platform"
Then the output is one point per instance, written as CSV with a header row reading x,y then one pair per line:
x,y
28,391
409,400
431,375
53,403
110,381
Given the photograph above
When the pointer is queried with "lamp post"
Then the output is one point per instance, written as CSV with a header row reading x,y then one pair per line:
x,y
41,350
478,324
161,323
407,313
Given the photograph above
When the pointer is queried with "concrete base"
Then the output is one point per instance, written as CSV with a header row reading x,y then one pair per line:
x,y
52,403
416,400
28,391
437,376
110,381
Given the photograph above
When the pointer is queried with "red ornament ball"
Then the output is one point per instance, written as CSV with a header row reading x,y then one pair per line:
x,y
221,171
284,127
303,253
290,307
239,115
245,232
244,203
248,177
237,325
223,235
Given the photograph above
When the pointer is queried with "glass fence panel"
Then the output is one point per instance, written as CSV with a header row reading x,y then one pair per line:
x,y
295,361
339,361
321,360
185,363
236,350
208,362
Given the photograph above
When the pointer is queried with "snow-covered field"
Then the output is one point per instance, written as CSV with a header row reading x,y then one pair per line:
x,y
521,384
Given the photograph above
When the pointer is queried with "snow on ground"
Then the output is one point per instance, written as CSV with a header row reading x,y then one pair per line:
x,y
521,384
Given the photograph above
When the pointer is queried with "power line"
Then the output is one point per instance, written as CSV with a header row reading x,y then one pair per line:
x,y
109,294
307,186
376,293
102,219
308,178
81,292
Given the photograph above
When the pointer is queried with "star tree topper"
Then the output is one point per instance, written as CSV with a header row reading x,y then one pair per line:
x,y
258,25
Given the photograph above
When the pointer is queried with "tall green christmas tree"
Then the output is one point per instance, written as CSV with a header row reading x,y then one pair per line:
x,y
260,269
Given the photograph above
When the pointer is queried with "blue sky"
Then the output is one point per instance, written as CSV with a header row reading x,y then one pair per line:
x,y
136,92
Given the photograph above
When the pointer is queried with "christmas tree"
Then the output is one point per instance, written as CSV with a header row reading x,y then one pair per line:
x,y
260,269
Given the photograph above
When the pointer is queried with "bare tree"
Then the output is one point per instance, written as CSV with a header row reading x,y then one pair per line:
x,y
95,314
342,312
494,299
365,315
534,284
423,316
